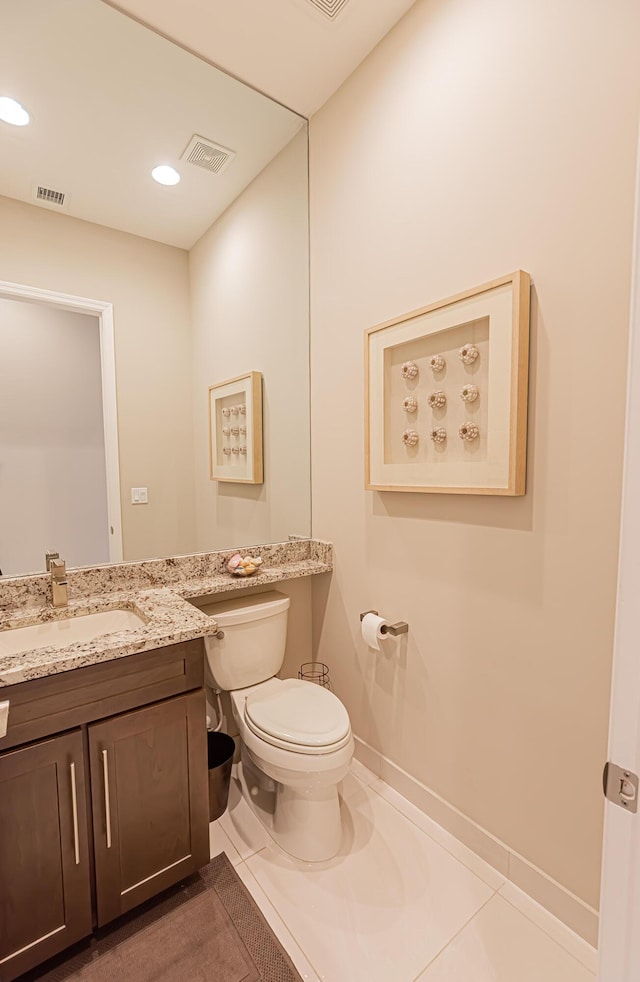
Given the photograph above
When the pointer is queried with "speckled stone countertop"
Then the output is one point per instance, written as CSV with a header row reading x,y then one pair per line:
x,y
157,590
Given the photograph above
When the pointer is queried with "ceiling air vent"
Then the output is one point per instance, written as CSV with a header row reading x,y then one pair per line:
x,y
330,8
205,153
50,196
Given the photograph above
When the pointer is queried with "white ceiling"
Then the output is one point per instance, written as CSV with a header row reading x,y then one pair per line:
x,y
109,100
285,48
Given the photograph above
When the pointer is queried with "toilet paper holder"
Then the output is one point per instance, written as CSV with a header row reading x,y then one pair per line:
x,y
400,627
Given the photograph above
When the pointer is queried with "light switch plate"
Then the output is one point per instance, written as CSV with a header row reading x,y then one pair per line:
x,y
139,496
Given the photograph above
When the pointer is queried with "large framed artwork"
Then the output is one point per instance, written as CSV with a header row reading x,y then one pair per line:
x,y
446,394
235,429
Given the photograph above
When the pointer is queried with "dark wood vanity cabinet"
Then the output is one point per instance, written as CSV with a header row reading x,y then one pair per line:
x,y
45,882
97,819
147,805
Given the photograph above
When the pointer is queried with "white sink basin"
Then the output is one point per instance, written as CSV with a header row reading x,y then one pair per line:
x,y
68,630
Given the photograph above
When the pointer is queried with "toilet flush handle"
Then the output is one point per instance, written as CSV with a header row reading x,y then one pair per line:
x,y
220,635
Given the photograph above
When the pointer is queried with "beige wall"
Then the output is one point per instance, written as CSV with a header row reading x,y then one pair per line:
x,y
475,140
249,281
147,284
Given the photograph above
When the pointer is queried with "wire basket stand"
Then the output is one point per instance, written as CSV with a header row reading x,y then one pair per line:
x,y
315,671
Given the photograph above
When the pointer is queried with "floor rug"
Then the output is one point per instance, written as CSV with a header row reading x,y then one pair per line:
x,y
206,929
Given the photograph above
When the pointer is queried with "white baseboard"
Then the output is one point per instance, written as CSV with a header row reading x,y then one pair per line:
x,y
566,906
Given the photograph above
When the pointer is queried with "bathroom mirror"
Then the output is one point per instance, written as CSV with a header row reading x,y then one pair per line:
x,y
166,289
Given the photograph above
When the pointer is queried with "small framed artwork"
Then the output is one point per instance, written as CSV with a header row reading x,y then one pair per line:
x,y
235,430
446,394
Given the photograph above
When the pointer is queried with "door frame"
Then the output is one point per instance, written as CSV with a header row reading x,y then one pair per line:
x,y
104,312
619,941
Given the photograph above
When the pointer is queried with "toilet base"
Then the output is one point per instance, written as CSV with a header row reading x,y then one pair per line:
x,y
304,821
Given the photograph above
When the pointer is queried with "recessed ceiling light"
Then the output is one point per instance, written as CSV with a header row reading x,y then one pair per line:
x,y
12,112
165,175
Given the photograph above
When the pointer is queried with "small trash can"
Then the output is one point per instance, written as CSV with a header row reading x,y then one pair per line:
x,y
220,750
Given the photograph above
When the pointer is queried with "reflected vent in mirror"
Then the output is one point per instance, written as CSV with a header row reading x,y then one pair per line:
x,y
205,153
47,196
330,8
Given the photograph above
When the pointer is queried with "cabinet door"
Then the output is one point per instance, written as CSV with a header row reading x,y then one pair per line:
x,y
45,889
149,791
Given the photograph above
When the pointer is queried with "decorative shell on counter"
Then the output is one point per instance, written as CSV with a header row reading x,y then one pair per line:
x,y
437,399
468,354
243,565
439,435
409,370
410,405
410,438
437,363
469,393
468,432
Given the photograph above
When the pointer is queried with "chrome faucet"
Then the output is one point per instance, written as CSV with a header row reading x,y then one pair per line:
x,y
59,591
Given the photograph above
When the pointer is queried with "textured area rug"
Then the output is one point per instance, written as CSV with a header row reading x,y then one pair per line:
x,y
207,929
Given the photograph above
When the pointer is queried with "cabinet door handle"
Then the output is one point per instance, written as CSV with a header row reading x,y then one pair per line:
x,y
107,803
74,806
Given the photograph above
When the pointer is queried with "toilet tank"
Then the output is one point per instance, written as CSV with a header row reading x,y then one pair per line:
x,y
255,634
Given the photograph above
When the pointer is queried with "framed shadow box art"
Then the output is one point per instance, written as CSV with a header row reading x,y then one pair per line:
x,y
235,430
446,394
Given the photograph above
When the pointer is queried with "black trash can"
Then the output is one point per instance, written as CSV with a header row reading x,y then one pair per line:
x,y
220,750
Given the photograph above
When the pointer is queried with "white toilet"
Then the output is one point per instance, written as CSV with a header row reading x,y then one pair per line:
x,y
296,736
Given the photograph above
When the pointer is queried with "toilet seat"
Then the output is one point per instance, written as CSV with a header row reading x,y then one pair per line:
x,y
297,716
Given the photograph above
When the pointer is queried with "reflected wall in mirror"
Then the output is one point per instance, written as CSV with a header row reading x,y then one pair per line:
x,y
207,280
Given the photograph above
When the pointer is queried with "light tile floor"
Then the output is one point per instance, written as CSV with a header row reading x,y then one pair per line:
x,y
403,900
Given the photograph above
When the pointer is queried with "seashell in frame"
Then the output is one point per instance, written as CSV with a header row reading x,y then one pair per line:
x,y
235,451
225,431
409,370
243,431
437,363
242,410
235,430
410,438
243,450
439,435
468,354
226,451
226,412
469,393
234,410
437,399
410,404
468,432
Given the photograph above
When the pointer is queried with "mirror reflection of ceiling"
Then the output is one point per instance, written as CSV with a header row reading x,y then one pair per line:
x,y
72,64
296,51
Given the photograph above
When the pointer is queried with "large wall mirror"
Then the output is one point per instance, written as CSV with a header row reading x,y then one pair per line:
x,y
123,300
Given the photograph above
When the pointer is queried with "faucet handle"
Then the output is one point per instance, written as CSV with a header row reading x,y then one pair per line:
x,y
49,557
58,568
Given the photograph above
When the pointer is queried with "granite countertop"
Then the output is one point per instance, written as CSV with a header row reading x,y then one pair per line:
x,y
169,617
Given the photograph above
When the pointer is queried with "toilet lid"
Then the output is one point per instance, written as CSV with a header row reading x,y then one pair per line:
x,y
298,713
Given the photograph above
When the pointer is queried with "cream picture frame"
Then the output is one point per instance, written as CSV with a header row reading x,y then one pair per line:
x,y
446,394
235,430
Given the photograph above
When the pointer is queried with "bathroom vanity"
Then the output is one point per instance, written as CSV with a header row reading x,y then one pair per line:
x,y
103,767
104,796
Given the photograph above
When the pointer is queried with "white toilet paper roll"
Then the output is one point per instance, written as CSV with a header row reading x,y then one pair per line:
x,y
373,629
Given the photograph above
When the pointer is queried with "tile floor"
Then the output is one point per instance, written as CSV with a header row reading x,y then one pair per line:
x,y
402,901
